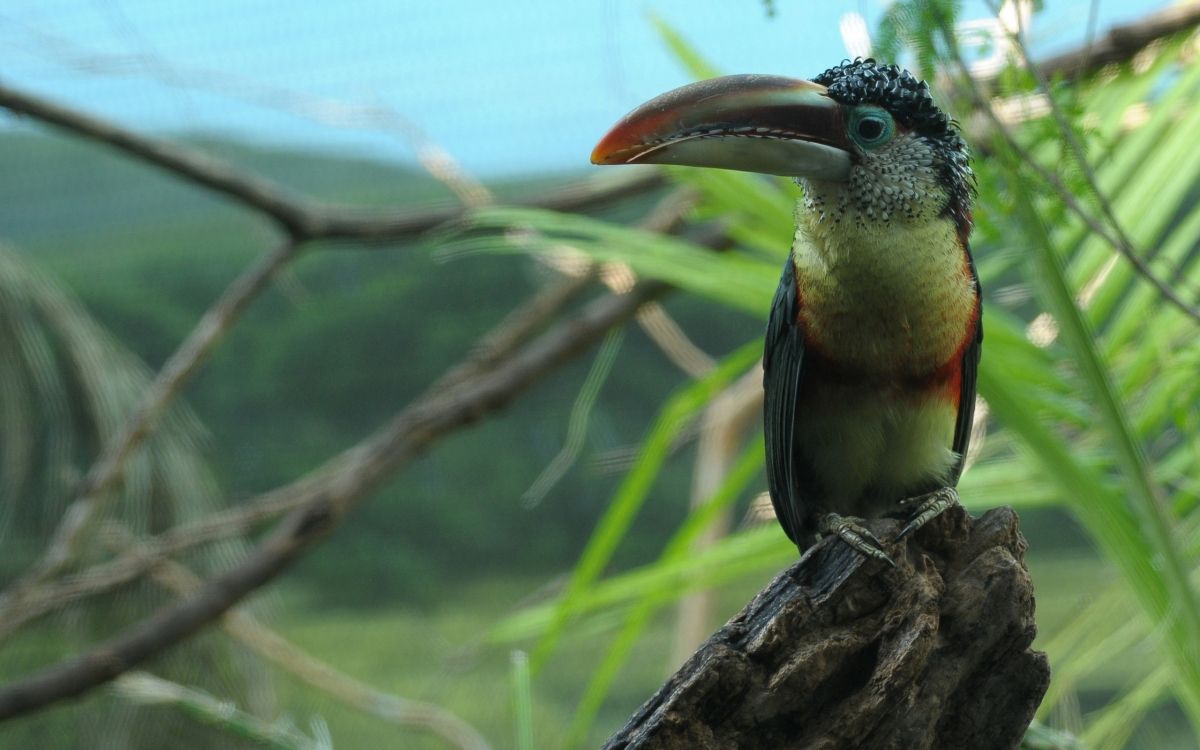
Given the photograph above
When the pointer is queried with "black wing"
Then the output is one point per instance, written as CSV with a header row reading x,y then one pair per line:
x,y
783,358
970,369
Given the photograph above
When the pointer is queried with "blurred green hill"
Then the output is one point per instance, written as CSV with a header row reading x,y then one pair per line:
x,y
347,336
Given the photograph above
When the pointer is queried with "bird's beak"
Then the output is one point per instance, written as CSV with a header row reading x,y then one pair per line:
x,y
751,123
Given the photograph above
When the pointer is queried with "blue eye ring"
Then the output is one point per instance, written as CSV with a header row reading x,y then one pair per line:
x,y
871,127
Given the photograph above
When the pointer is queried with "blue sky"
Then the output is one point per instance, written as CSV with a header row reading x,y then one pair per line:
x,y
504,87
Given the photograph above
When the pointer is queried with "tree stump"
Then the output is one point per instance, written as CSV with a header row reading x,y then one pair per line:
x,y
840,651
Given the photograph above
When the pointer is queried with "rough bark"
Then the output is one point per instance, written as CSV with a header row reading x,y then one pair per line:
x,y
844,652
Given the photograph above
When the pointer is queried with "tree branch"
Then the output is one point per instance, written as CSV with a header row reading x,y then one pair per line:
x,y
38,599
300,218
35,595
839,651
107,470
326,497
1121,43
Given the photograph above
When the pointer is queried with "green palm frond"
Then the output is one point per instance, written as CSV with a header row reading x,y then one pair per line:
x,y
735,279
1129,352
66,387
1088,371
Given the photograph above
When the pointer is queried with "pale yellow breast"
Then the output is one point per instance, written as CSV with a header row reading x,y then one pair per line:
x,y
888,299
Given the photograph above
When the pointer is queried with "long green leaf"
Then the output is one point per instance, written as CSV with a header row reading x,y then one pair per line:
x,y
611,528
687,55
729,559
1111,729
522,700
733,279
748,467
1172,601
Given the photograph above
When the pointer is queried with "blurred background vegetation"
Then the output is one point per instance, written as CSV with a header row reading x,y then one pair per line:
x,y
493,546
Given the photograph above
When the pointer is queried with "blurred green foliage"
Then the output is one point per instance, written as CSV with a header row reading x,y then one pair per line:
x,y
348,336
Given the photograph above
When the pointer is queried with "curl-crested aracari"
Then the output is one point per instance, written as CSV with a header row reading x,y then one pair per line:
x,y
874,335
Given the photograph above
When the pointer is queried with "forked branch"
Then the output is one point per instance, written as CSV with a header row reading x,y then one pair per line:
x,y
325,498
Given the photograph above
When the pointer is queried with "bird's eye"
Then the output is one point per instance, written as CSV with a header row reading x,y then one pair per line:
x,y
871,127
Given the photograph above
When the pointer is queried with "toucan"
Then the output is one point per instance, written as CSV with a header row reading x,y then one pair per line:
x,y
874,336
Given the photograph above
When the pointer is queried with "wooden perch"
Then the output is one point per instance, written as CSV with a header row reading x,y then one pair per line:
x,y
842,652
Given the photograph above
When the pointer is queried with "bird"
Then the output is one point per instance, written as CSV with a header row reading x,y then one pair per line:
x,y
874,336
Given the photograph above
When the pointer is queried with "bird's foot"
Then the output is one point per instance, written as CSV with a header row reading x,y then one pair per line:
x,y
850,530
926,508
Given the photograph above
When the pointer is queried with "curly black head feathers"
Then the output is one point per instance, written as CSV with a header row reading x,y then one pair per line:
x,y
865,81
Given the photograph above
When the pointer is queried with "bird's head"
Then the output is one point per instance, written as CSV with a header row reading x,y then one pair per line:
x,y
866,140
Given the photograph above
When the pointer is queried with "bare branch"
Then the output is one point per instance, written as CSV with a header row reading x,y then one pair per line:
x,y
158,632
317,502
213,174
106,472
671,339
35,598
667,218
341,223
517,327
147,689
33,601
328,494
404,712
300,218
1120,43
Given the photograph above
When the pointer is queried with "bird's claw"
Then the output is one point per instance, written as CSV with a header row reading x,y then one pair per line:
x,y
926,508
851,531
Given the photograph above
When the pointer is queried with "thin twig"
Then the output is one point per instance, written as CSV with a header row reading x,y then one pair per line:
x,y
404,712
272,646
1123,244
1113,236
218,176
667,218
106,472
35,596
237,521
329,495
514,330
147,689
300,218
674,342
